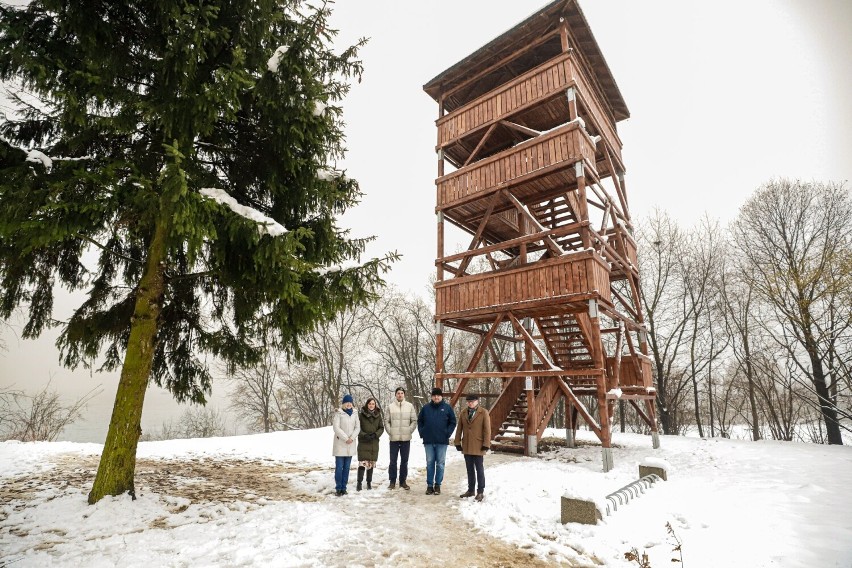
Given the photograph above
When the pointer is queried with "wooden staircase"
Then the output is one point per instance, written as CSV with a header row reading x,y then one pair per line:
x,y
510,435
565,341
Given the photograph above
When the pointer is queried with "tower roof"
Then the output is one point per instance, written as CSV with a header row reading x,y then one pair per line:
x,y
535,26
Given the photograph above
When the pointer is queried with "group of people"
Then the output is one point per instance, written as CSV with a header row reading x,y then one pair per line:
x,y
435,425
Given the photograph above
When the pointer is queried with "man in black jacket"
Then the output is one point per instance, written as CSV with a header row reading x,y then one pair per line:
x,y
435,426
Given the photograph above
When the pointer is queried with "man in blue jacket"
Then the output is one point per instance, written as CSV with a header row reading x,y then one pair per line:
x,y
435,424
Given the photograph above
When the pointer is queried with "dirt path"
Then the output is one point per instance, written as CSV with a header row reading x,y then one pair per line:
x,y
388,527
429,532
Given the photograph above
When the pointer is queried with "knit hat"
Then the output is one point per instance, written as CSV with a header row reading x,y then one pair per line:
x,y
437,391
471,397
347,398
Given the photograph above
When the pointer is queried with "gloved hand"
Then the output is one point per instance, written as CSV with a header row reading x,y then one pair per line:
x,y
374,436
458,447
485,448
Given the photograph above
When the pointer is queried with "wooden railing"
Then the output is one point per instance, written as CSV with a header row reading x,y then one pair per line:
x,y
545,403
499,411
628,374
550,79
553,280
565,145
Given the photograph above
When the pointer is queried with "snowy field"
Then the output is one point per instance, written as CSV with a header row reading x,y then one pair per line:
x,y
268,500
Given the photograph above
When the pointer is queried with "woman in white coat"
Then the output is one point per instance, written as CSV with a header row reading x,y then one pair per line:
x,y
346,426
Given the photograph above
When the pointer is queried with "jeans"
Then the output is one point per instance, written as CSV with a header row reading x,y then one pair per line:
x,y
341,472
401,449
475,463
436,454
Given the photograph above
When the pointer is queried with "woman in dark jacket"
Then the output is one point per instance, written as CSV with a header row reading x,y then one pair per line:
x,y
372,428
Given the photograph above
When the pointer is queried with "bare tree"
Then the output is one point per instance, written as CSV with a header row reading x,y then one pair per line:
x,y
699,267
41,416
403,339
194,422
255,391
797,240
660,244
739,308
337,362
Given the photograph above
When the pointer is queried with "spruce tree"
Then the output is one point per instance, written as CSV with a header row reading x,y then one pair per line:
x,y
175,161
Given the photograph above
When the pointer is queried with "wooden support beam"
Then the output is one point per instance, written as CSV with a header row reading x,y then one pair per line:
x,y
623,302
616,181
641,413
522,129
581,408
520,374
551,244
481,143
529,340
616,371
469,329
440,227
477,355
478,236
511,243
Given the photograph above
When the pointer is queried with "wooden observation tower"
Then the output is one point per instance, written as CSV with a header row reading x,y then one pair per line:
x,y
530,167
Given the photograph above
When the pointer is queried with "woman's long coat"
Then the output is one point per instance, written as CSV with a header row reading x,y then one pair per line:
x,y
368,444
474,434
345,427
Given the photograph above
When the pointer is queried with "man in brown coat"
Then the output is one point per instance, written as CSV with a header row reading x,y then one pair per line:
x,y
473,438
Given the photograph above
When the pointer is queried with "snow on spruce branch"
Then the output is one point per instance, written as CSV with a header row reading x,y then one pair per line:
x,y
265,224
325,174
37,156
275,60
348,265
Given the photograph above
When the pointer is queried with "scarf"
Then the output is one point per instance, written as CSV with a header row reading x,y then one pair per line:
x,y
348,411
470,413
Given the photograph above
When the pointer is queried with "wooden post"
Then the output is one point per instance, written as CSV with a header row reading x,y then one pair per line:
x,y
439,354
570,427
603,404
531,422
583,205
440,276
572,104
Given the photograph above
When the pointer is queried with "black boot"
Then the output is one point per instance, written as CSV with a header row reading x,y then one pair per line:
x,y
360,477
370,478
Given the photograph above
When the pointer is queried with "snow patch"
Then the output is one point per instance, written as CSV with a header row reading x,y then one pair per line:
x,y
266,225
38,156
275,60
659,463
319,108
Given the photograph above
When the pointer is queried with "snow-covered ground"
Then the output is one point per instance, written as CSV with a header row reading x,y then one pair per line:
x,y
268,500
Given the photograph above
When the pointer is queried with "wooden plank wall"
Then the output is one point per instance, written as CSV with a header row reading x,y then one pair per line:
x,y
567,144
628,376
526,91
570,274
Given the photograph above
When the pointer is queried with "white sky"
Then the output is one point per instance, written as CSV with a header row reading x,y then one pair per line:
x,y
723,95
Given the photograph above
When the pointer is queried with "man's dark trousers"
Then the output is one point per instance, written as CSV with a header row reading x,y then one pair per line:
x,y
475,463
402,449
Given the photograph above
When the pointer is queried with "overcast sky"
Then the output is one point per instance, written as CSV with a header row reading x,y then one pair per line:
x,y
723,96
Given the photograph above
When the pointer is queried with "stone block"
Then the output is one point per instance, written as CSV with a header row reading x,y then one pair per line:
x,y
579,511
648,470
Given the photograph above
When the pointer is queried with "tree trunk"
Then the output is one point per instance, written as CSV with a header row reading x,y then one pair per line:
x,y
755,426
118,460
829,412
